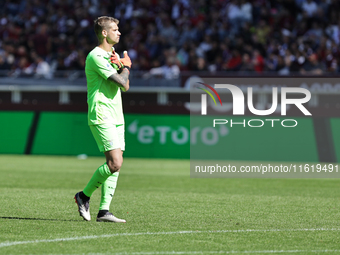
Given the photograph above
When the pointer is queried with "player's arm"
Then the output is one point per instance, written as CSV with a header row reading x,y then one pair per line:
x,y
121,79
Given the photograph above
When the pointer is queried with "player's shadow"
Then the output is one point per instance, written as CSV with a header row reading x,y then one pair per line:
x,y
22,218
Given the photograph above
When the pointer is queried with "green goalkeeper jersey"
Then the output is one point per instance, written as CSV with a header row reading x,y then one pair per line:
x,y
103,96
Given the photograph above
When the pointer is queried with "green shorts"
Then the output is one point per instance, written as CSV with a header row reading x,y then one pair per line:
x,y
109,136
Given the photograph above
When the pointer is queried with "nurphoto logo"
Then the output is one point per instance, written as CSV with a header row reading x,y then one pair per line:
x,y
239,104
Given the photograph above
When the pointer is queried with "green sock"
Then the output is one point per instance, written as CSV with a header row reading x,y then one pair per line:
x,y
108,190
98,178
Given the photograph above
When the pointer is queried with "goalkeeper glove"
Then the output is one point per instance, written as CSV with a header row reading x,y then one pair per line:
x,y
126,61
114,59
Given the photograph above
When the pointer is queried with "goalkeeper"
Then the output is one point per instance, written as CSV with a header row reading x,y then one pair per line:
x,y
106,76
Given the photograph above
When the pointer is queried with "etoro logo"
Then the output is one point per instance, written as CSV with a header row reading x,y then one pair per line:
x,y
164,134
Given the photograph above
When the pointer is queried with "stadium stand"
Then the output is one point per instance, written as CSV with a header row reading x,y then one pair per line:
x,y
261,36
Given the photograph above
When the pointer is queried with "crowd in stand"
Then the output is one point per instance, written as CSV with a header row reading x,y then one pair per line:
x,y
169,36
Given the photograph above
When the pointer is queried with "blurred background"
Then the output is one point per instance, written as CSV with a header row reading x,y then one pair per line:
x,y
262,36
44,44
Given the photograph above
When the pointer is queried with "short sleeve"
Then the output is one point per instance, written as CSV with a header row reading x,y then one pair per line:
x,y
101,66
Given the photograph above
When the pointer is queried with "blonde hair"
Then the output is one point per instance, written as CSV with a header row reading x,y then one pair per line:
x,y
103,23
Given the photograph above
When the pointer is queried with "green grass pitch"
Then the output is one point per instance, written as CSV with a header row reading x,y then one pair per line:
x,y
167,212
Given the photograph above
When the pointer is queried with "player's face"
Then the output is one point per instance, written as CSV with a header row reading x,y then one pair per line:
x,y
113,34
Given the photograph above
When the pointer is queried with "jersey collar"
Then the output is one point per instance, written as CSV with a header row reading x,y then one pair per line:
x,y
105,52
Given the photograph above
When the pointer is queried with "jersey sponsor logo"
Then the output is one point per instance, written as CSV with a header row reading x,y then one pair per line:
x,y
109,66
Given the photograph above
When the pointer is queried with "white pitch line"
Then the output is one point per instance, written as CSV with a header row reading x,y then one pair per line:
x,y
76,238
207,252
217,252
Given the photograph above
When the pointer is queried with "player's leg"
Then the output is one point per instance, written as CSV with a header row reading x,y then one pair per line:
x,y
108,190
114,160
82,198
